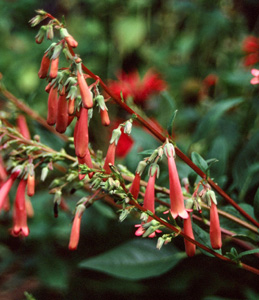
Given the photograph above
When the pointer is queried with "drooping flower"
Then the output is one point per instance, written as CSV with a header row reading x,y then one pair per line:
x,y
81,137
134,189
110,156
176,195
53,73
149,199
31,184
62,115
20,215
52,106
255,73
215,232
44,67
75,231
68,38
130,85
190,248
5,188
22,127
86,94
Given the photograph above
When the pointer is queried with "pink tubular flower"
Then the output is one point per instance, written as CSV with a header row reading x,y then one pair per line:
x,y
22,126
75,231
176,196
215,232
5,188
20,215
110,157
105,117
255,73
190,248
149,200
130,85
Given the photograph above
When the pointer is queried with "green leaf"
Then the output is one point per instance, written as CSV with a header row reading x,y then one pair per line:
x,y
208,123
136,259
199,161
256,204
203,237
171,122
248,252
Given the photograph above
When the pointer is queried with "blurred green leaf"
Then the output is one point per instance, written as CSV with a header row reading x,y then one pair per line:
x,y
209,121
256,204
136,259
203,237
199,161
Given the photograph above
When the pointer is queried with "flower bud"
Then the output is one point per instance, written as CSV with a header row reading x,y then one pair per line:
x,y
128,127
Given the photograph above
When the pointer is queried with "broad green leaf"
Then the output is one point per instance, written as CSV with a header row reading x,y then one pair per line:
x,y
208,123
247,158
199,161
203,237
256,204
136,259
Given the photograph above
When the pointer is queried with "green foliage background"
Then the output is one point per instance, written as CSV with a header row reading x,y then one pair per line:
x,y
185,41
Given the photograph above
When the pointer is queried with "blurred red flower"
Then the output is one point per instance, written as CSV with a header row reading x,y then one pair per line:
x,y
251,48
130,85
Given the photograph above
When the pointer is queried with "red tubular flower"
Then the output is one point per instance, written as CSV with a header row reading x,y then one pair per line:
x,y
20,215
29,208
54,68
81,134
110,157
71,41
75,231
190,248
30,184
52,106
176,196
23,128
86,160
215,232
86,95
5,188
62,115
134,189
71,106
149,198
105,117
44,67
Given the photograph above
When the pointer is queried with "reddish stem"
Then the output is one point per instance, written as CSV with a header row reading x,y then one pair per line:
x,y
162,138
